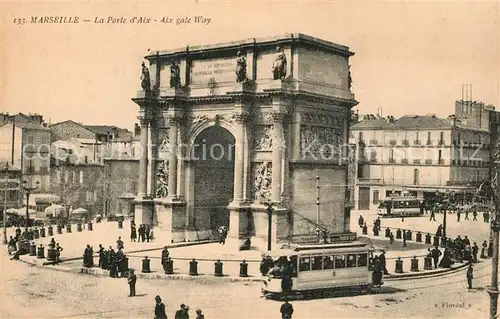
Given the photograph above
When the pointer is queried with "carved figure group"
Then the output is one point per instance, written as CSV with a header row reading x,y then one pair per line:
x,y
145,78
262,183
319,140
264,141
162,181
349,78
279,65
175,75
241,67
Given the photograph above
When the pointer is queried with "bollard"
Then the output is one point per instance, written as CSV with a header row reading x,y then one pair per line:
x,y
414,264
436,241
218,269
79,227
419,237
50,231
387,232
59,229
33,250
68,228
428,238
490,250
365,230
244,269
36,233
40,252
146,263
42,232
29,234
168,266
193,268
399,266
120,224
398,234
90,226
51,254
443,242
428,263
409,235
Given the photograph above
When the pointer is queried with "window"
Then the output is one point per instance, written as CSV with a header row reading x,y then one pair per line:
x,y
30,140
317,263
327,262
375,197
360,136
351,260
441,138
428,137
360,170
416,176
459,139
339,261
304,264
81,177
73,179
391,156
66,177
362,260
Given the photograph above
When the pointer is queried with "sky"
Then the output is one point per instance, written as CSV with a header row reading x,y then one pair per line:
x,y
410,57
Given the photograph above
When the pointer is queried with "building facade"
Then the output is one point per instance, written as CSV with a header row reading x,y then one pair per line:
x,y
10,190
230,128
120,185
419,154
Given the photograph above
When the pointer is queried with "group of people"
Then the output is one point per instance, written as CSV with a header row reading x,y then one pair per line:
x,y
114,261
182,313
145,233
283,267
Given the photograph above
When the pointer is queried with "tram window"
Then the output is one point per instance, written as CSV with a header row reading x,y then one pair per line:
x,y
305,264
327,262
351,260
317,263
339,261
362,260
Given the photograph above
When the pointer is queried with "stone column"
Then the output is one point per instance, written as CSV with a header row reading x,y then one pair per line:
x,y
143,162
172,161
278,144
239,159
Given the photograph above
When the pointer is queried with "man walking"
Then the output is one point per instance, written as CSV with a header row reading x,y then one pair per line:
x,y
286,310
132,279
433,216
58,254
182,313
470,275
160,309
436,253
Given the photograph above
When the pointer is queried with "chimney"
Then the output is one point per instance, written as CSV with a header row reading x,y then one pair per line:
x,y
137,129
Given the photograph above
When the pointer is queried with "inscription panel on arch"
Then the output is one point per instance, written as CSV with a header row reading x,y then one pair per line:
x,y
219,70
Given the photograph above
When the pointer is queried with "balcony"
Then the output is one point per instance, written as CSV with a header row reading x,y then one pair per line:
x,y
392,142
416,161
441,161
429,142
416,142
441,142
392,161
373,142
373,160
428,161
406,143
404,161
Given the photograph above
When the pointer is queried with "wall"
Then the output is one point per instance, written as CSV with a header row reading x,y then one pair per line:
x,y
323,68
36,157
6,145
120,176
332,197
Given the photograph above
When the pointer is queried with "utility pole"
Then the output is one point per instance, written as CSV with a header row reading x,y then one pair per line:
x,y
5,203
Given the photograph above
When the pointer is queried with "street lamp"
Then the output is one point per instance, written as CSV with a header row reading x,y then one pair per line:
x,y
269,210
27,190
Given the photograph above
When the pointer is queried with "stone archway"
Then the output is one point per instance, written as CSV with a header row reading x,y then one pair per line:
x,y
213,162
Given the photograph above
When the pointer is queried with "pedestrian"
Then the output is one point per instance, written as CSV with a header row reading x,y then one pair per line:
x,y
119,243
474,216
378,223
403,217
113,272
383,263
88,259
484,250
133,232
439,231
147,232
12,245
199,315
470,276
466,214
466,241
102,256
164,255
361,221
160,309
58,254
475,250
404,238
286,310
458,215
391,238
435,253
182,313
132,279
433,216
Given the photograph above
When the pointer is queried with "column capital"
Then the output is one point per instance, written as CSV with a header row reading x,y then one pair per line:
x,y
278,117
143,120
242,117
173,119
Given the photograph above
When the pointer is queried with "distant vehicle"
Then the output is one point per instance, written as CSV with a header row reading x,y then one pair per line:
x,y
321,267
409,206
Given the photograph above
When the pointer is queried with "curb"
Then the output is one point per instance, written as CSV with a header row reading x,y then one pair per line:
x,y
104,273
424,274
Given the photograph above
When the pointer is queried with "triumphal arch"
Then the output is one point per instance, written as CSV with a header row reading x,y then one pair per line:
x,y
229,129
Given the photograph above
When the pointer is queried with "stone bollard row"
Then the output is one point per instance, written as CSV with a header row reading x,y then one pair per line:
x,y
90,226
218,269
40,252
51,254
419,237
120,224
409,235
36,233
50,231
428,263
42,232
79,227
387,232
436,241
32,251
193,268
428,239
399,266
398,234
146,265
244,269
168,266
59,229
414,264
68,228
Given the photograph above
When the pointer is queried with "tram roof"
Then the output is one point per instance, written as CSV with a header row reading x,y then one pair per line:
x,y
402,198
301,247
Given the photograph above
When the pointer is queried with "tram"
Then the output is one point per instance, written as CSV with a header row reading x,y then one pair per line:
x,y
321,267
409,206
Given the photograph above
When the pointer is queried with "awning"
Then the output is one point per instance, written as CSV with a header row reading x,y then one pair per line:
x,y
54,209
43,199
79,211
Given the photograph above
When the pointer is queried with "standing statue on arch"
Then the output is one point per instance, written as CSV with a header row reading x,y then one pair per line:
x,y
241,67
279,65
145,78
175,75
